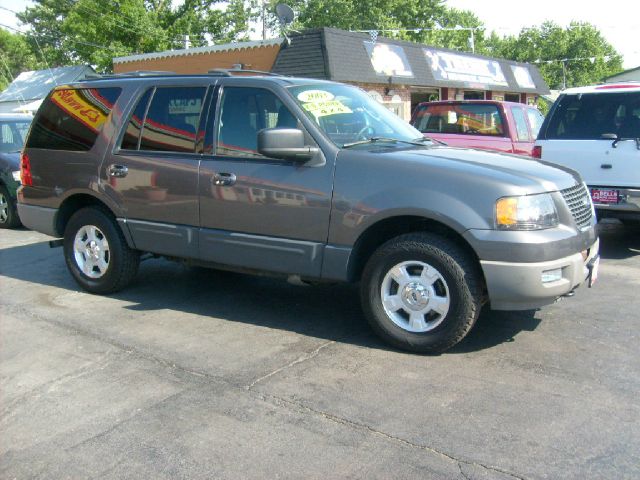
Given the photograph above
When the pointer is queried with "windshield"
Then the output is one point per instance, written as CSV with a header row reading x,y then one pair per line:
x,y
12,135
348,115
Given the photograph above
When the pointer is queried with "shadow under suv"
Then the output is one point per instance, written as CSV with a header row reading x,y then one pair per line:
x,y
306,178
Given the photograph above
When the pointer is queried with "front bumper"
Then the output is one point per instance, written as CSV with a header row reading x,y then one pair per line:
x,y
519,286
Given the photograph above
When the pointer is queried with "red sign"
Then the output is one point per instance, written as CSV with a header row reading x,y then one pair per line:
x,y
604,195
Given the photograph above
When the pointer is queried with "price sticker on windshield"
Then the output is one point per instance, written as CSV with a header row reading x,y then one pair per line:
x,y
313,96
326,108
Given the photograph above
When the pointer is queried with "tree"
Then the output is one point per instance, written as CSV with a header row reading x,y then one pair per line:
x,y
15,57
94,31
402,19
567,57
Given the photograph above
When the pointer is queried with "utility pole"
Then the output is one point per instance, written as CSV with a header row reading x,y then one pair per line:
x,y
564,74
264,20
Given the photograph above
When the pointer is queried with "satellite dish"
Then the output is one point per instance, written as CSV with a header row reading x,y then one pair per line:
x,y
285,14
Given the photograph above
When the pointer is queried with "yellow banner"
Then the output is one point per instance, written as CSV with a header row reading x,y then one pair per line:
x,y
80,108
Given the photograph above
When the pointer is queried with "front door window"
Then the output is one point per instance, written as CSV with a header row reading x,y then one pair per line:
x,y
244,112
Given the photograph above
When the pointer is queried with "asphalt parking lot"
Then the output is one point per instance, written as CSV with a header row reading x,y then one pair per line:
x,y
204,374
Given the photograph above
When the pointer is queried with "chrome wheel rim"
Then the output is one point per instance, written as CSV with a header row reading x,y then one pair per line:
x,y
91,251
415,296
4,208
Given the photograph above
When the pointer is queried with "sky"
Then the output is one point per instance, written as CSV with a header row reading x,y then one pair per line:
x,y
618,21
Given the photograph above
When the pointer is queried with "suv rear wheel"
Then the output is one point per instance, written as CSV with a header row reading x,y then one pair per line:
x,y
421,292
97,253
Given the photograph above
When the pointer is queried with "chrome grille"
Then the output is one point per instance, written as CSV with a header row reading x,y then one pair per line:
x,y
579,203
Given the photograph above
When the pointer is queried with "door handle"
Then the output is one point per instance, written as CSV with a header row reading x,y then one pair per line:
x,y
118,171
224,179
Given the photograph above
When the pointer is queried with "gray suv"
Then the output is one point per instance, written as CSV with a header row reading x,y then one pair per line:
x,y
302,178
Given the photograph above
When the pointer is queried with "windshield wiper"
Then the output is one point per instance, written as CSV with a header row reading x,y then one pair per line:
x,y
383,139
431,140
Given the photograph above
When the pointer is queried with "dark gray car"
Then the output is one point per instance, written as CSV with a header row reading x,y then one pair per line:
x,y
303,178
13,131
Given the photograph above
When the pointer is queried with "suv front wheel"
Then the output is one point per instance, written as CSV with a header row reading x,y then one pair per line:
x,y
96,252
421,292
8,213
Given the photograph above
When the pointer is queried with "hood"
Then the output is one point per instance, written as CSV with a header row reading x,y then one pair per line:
x,y
10,161
516,170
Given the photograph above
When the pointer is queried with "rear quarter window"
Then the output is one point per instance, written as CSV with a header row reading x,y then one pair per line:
x,y
71,119
522,130
463,119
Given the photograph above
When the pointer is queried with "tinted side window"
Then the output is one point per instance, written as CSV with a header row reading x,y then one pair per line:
x,y
590,115
71,119
522,130
172,119
245,111
470,119
134,127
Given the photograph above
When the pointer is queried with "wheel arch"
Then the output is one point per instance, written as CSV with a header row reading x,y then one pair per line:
x,y
384,230
77,201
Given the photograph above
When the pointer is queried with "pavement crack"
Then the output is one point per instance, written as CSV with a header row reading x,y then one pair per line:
x,y
42,389
464,475
283,402
119,345
298,360
269,398
123,421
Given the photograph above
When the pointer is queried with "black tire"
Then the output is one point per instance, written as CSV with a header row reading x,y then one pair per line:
x,y
9,213
458,279
121,261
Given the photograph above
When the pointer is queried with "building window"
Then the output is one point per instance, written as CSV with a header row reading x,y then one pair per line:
x,y
474,95
512,97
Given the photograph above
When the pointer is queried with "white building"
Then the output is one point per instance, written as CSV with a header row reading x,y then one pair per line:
x,y
26,92
631,75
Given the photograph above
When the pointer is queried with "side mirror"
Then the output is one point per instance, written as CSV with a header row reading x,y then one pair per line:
x,y
285,143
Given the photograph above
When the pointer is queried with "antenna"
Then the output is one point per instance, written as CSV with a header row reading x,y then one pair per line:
x,y
285,14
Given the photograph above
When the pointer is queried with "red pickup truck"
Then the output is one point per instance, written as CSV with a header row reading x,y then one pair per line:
x,y
486,124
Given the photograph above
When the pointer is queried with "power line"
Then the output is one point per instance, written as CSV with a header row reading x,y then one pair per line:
x,y
99,14
40,49
606,58
64,38
178,38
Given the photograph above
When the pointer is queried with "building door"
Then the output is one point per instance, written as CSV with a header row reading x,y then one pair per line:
x,y
423,95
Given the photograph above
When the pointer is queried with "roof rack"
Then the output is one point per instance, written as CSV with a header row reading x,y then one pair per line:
x,y
227,72
136,73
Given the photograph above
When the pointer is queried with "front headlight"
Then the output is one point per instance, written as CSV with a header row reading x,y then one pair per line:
x,y
16,175
528,212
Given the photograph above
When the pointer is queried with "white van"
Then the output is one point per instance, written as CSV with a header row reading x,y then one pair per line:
x,y
596,131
